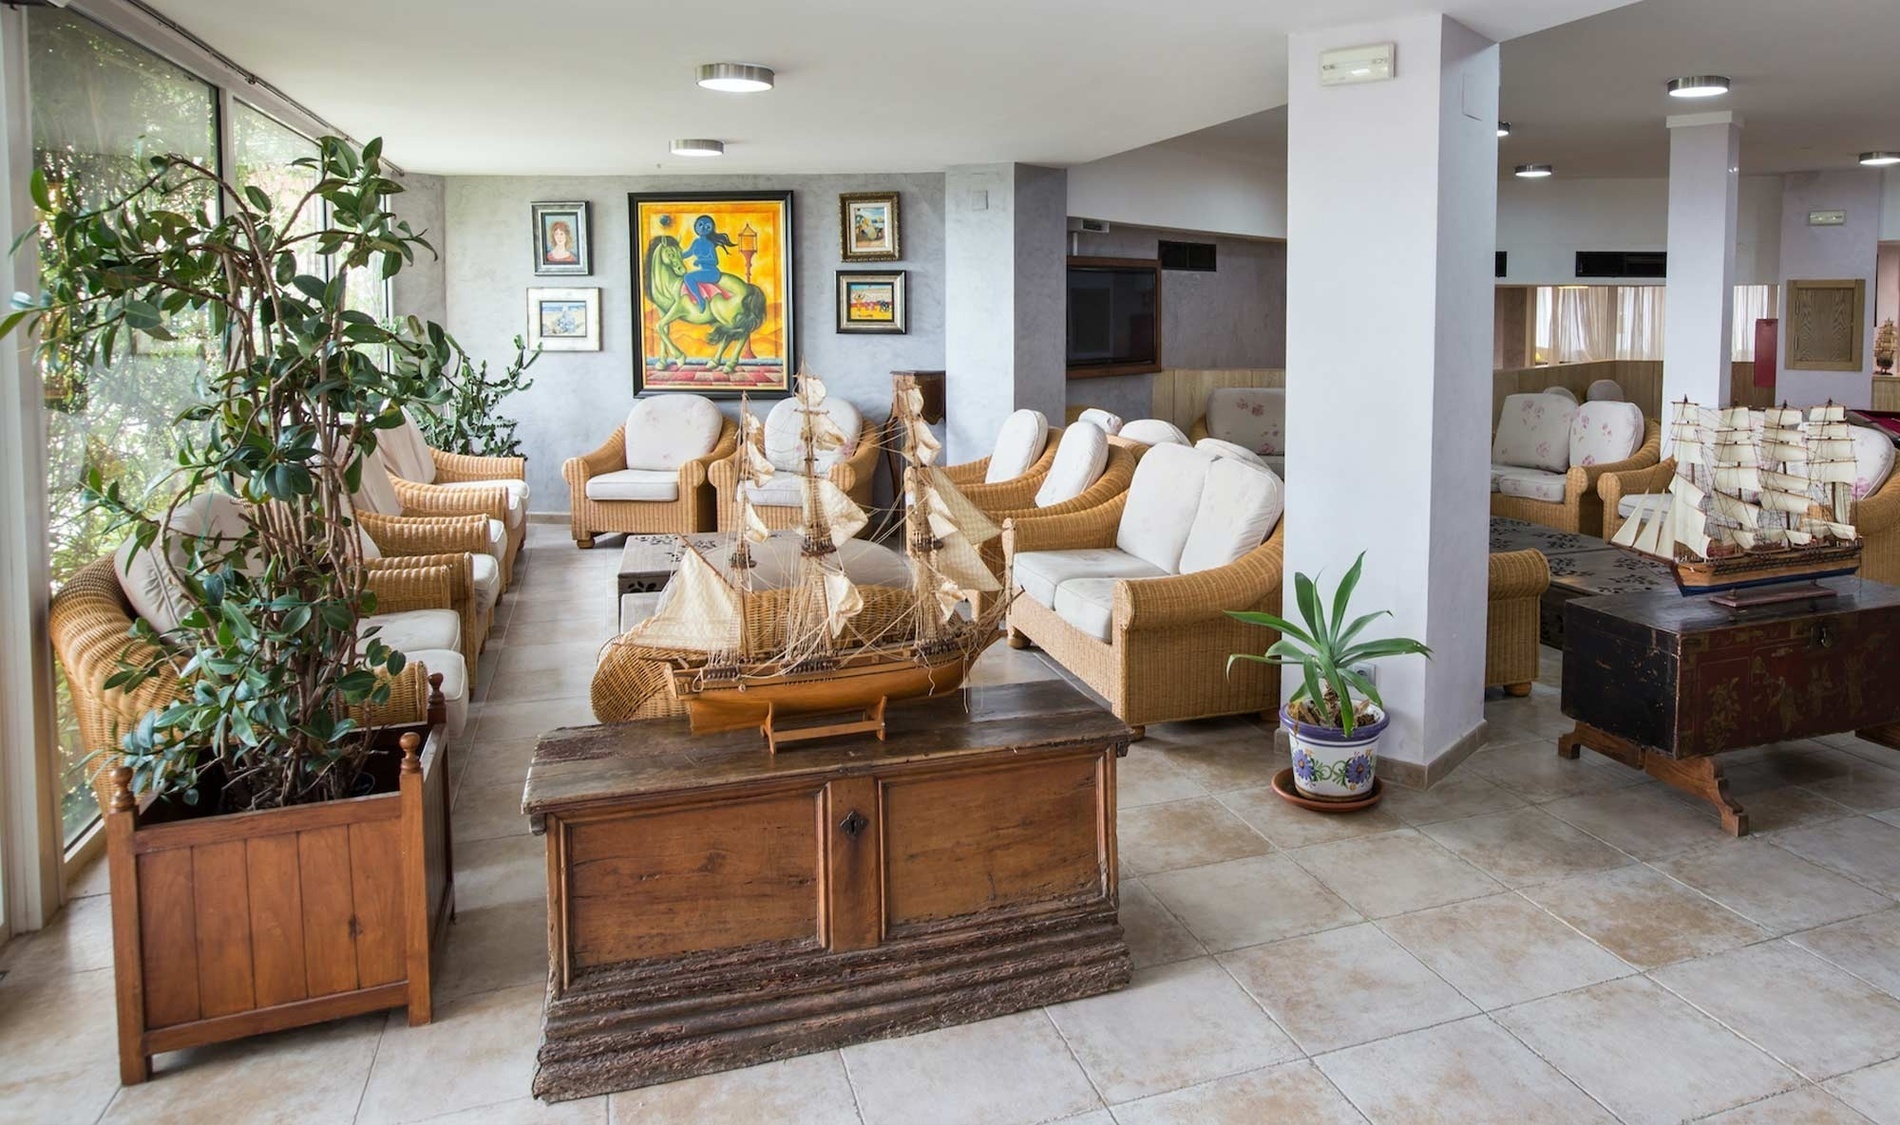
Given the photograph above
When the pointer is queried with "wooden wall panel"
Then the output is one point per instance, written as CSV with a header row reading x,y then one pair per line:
x,y
1180,394
1886,392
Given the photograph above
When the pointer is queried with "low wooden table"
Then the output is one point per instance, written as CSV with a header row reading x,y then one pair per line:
x,y
648,561
1581,566
1665,683
712,906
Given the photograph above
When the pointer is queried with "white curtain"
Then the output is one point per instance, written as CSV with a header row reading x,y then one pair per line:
x,y
1752,303
1639,322
1581,323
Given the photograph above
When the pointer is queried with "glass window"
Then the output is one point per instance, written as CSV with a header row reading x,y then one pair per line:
x,y
1582,323
1752,303
264,155
100,106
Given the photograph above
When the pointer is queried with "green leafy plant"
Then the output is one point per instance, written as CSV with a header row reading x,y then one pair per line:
x,y
1327,651
469,420
268,648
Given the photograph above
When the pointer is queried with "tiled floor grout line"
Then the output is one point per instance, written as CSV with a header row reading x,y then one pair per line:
x,y
851,1084
1538,1055
1069,1049
370,1073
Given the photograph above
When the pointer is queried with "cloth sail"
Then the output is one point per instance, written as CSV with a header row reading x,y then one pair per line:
x,y
701,611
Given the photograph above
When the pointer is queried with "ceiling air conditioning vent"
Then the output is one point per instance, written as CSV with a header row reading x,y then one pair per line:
x,y
1088,226
1195,257
1622,263
1499,269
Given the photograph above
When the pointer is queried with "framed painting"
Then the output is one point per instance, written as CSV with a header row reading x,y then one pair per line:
x,y
713,294
867,226
564,320
561,238
871,301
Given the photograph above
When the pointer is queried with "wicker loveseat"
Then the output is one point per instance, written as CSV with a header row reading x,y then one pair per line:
x,y
651,475
1549,452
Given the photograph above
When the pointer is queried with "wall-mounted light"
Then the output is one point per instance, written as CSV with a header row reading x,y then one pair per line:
x,y
735,78
1534,171
699,146
1879,159
1504,128
1698,86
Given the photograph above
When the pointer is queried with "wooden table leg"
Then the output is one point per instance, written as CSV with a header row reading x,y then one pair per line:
x,y
1699,776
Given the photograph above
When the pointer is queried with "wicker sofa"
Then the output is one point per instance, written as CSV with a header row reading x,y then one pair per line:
x,y
1549,452
655,481
852,468
429,482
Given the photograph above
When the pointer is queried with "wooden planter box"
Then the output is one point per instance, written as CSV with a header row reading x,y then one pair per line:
x,y
229,926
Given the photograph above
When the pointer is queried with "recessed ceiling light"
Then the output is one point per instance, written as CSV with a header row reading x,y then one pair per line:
x,y
1504,128
699,146
1879,159
735,78
1534,171
1698,86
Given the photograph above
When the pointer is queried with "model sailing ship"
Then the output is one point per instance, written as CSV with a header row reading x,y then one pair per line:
x,y
1760,498
825,663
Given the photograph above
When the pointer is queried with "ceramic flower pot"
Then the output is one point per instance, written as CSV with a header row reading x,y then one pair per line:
x,y
1330,766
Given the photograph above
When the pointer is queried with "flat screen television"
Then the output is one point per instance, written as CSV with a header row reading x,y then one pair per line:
x,y
1114,316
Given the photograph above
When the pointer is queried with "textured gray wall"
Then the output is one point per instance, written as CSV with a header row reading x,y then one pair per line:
x,y
579,397
421,289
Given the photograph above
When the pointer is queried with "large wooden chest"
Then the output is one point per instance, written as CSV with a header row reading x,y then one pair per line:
x,y
710,905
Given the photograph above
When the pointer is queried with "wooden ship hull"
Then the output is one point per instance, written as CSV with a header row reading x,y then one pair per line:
x,y
1766,568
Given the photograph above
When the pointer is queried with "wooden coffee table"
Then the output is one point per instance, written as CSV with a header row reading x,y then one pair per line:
x,y
648,561
1581,566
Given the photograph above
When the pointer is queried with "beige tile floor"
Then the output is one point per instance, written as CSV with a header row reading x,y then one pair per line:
x,y
1534,940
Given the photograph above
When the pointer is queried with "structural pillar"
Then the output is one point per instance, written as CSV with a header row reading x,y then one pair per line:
x,y
1391,226
1005,299
1699,310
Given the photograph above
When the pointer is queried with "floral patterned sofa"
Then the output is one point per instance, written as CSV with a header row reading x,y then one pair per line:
x,y
1252,417
1548,453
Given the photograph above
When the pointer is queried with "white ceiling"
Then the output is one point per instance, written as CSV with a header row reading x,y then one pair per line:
x,y
601,86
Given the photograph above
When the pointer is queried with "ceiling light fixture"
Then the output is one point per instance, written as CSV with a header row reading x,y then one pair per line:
x,y
735,78
1504,128
1879,159
1698,86
1534,171
699,146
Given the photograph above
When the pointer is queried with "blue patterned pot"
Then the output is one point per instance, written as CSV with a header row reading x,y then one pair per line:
x,y
1329,766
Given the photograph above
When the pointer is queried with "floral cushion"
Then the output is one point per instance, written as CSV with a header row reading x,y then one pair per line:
x,y
1561,392
1530,484
1251,416
1873,461
1534,433
1603,433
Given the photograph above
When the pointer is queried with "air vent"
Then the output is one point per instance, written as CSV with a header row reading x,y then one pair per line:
x,y
1196,257
1622,263
1499,268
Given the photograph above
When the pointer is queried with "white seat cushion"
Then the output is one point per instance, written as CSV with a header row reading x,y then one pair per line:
x,y
487,576
658,485
454,672
1873,460
1532,484
1240,506
667,430
1603,433
1088,604
1561,392
413,630
1534,433
1080,457
635,608
1604,390
1161,505
1233,451
785,490
1111,423
1254,417
1651,502
406,451
1040,573
517,491
1154,431
783,424
497,538
1018,445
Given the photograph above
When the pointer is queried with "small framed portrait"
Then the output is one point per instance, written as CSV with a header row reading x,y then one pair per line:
x,y
564,320
561,239
867,226
871,301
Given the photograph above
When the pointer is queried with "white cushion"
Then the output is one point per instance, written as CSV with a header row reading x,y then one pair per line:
x,y
1251,416
661,485
1561,392
1088,604
406,451
665,431
1111,423
148,581
1234,452
487,575
454,671
1162,501
1018,445
517,491
1873,460
1080,457
1532,484
1604,390
783,424
413,630
1240,506
1040,573
497,538
1153,431
1651,503
1276,462
376,492
635,608
1603,433
785,490
1534,432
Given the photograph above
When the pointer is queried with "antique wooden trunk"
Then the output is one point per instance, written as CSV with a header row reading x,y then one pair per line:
x,y
711,906
1688,678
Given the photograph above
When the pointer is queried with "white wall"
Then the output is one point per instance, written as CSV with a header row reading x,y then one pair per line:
x,y
1543,223
1827,253
1163,185
1890,205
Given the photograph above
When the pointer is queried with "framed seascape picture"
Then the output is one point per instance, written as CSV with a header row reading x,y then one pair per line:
x,y
561,238
867,226
871,301
713,300
564,320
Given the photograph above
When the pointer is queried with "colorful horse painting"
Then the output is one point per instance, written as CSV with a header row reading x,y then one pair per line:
x,y
734,308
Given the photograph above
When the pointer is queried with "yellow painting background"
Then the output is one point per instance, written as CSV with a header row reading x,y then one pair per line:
x,y
731,217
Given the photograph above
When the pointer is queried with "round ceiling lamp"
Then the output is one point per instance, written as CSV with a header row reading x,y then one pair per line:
x,y
1879,159
735,78
1504,128
699,146
1534,171
1698,86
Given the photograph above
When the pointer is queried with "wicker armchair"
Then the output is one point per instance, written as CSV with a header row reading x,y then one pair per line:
x,y
90,623
691,510
1613,487
429,482
1517,584
448,543
1581,509
970,474
853,474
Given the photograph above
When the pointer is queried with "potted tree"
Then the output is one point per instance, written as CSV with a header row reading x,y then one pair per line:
x,y
277,855
1334,717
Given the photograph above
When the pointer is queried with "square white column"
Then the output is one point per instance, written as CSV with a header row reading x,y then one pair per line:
x,y
1699,310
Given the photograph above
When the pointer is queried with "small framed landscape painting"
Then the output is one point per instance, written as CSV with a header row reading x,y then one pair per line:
x,y
564,320
561,238
871,301
867,226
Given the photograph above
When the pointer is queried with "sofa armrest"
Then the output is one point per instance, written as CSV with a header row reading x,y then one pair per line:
x,y
1613,487
435,500
458,467
1518,574
698,471
1880,512
857,470
969,474
609,457
404,585
1199,429
1250,582
408,536
1075,531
